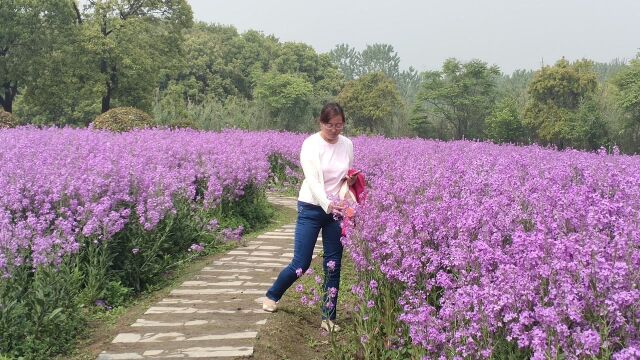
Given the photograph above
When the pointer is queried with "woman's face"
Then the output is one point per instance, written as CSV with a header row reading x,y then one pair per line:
x,y
332,129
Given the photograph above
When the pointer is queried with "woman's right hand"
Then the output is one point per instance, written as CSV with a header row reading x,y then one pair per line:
x,y
336,208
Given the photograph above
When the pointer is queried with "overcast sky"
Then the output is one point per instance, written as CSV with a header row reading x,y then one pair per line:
x,y
513,34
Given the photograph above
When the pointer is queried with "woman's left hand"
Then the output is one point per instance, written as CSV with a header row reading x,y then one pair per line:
x,y
350,179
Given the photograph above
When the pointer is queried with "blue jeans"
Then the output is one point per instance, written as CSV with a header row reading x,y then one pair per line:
x,y
311,218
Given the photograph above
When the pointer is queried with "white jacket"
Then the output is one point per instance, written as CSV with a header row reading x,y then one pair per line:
x,y
312,190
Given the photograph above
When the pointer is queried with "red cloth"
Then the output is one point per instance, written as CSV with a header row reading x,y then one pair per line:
x,y
357,189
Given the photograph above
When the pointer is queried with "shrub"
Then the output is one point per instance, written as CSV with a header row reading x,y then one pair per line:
x,y
183,124
8,120
123,119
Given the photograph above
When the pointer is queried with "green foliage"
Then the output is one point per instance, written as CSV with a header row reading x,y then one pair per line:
x,y
31,31
515,86
380,58
40,314
627,97
183,124
122,119
299,58
347,59
454,102
8,120
286,95
370,101
563,85
504,124
129,42
208,68
553,112
68,90
591,131
215,115
282,91
607,71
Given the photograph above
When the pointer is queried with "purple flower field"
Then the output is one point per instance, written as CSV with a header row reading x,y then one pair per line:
x,y
59,184
484,243
524,244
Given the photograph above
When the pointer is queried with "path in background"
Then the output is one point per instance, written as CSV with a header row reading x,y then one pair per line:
x,y
217,313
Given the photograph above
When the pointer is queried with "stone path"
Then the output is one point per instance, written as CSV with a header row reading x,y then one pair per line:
x,y
217,313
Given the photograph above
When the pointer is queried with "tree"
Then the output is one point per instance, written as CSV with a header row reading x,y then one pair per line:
x,y
252,53
347,59
370,100
591,131
504,124
30,31
299,58
409,84
380,58
206,69
460,96
374,58
131,41
515,86
287,95
627,83
556,94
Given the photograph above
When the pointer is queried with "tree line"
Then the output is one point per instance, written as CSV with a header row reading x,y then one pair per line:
x,y
63,63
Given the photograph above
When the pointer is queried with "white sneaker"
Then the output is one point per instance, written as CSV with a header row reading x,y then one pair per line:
x,y
269,305
329,325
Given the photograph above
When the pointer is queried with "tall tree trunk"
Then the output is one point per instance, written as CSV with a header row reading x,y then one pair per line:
x,y
106,100
104,70
6,100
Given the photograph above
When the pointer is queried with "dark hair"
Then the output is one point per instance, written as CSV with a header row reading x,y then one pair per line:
x,y
331,110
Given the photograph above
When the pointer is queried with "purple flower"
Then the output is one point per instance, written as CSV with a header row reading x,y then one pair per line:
x,y
299,288
329,304
196,248
331,265
299,272
333,292
213,225
103,304
373,286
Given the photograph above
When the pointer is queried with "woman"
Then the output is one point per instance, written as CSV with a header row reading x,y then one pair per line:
x,y
326,156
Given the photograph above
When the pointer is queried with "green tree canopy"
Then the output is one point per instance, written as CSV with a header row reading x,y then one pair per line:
x,y
556,94
627,83
504,123
370,101
287,95
132,41
30,31
460,96
347,59
380,58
